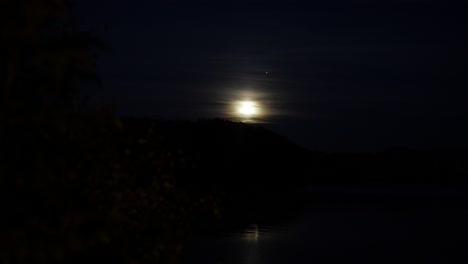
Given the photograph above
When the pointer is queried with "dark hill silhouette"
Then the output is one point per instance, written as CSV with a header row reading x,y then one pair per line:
x,y
225,152
253,170
251,163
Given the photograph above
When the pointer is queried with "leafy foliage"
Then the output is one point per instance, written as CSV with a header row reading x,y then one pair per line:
x,y
78,185
44,56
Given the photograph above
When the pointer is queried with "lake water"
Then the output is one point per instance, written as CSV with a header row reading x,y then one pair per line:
x,y
399,229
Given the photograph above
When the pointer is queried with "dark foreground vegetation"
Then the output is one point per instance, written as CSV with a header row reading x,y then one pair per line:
x,y
88,186
75,184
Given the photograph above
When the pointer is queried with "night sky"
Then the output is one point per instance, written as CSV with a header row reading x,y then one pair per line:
x,y
342,75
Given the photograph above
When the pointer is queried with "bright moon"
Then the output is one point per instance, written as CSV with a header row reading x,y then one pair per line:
x,y
247,108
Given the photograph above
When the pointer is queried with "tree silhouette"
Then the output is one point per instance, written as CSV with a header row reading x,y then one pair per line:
x,y
77,185
44,56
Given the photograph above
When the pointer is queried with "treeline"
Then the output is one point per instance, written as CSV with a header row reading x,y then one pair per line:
x,y
396,166
255,173
224,152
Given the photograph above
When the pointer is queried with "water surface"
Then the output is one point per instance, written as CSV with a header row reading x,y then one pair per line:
x,y
424,229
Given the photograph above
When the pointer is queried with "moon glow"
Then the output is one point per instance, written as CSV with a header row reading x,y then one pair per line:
x,y
247,109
